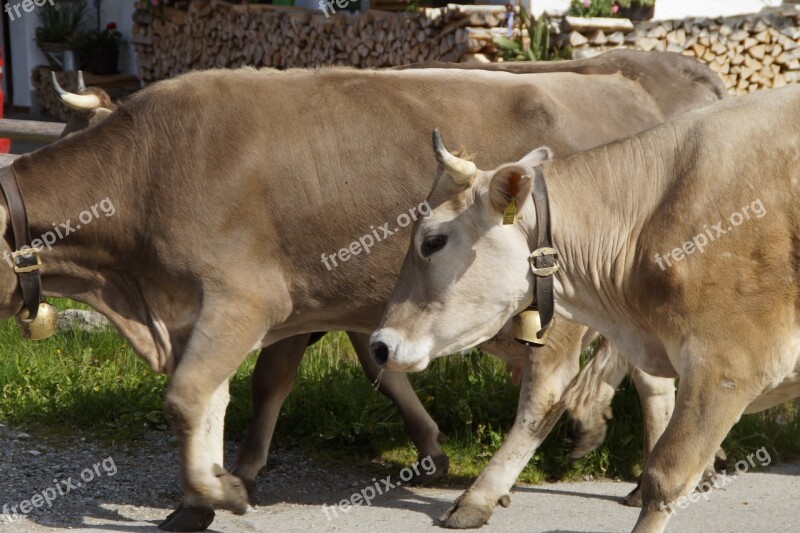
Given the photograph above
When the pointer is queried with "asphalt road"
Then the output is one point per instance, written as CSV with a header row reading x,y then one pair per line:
x,y
290,498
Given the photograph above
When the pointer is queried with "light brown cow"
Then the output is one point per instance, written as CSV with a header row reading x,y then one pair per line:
x,y
194,310
694,275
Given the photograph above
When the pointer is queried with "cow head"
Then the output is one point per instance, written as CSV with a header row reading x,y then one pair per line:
x,y
93,105
466,273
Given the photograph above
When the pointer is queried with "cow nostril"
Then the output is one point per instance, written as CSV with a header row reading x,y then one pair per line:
x,y
380,352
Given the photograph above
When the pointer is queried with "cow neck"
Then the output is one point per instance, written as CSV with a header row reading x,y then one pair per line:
x,y
63,180
600,201
26,265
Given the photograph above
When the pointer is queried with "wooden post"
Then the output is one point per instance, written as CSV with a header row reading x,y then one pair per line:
x,y
7,159
30,130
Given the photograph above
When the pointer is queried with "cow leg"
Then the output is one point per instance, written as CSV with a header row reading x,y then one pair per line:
x,y
657,396
212,355
588,400
193,514
712,396
420,426
272,381
546,374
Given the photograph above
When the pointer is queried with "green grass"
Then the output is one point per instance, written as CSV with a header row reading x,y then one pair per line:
x,y
94,385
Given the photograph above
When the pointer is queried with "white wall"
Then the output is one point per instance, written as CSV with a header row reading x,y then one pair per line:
x,y
678,9
670,9
26,55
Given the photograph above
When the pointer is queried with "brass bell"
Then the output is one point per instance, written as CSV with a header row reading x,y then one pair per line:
x,y
526,325
41,327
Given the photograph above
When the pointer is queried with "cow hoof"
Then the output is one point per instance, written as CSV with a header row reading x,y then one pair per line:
x,y
249,486
465,515
586,437
236,500
634,499
186,518
442,466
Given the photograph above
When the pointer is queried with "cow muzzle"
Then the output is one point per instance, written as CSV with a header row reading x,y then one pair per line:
x,y
42,326
391,351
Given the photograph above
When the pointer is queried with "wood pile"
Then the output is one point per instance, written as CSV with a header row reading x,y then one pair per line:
x,y
748,52
213,33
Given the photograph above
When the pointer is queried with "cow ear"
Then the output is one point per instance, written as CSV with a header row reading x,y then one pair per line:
x,y
511,182
536,157
99,115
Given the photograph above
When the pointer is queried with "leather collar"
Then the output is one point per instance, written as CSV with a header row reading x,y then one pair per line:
x,y
25,258
544,259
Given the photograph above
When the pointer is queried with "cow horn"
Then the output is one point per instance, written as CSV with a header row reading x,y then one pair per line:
x,y
81,84
79,102
461,170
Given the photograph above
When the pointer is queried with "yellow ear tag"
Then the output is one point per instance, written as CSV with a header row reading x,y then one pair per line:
x,y
510,213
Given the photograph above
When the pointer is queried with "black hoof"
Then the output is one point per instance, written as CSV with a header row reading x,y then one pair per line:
x,y
465,516
434,473
188,519
634,498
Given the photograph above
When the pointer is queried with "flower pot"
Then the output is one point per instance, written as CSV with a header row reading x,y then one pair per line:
x,y
102,60
51,51
638,12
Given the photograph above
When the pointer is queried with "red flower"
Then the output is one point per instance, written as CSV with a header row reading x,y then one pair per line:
x,y
111,26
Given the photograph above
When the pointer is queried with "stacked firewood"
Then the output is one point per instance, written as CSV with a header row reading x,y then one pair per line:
x,y
213,33
755,56
748,52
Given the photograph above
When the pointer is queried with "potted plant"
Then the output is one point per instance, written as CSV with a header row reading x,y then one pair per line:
x,y
637,9
60,23
100,49
632,9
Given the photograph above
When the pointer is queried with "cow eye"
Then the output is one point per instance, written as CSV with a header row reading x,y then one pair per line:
x,y
433,244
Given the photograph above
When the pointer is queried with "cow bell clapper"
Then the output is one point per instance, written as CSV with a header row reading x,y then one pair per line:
x,y
41,327
527,325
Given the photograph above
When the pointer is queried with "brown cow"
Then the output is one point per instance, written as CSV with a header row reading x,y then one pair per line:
x,y
144,270
694,276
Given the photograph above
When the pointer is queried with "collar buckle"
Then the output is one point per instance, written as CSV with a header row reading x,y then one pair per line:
x,y
25,255
551,255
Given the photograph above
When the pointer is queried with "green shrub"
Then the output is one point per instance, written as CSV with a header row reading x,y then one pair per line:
x,y
541,47
604,8
60,21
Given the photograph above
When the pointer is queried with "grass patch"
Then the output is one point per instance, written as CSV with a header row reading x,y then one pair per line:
x,y
95,385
